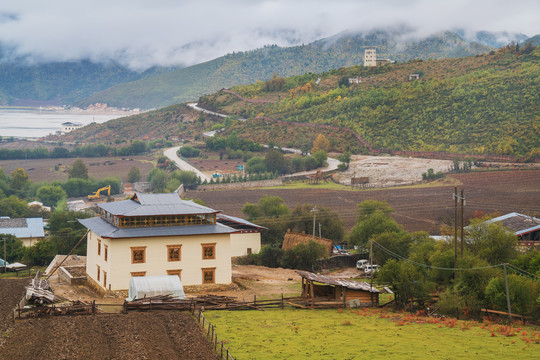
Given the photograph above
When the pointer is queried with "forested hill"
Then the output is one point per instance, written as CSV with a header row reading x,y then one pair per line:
x,y
58,83
345,49
486,104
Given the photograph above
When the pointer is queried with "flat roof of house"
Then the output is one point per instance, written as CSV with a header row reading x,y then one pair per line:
x,y
107,230
349,284
22,227
518,223
155,204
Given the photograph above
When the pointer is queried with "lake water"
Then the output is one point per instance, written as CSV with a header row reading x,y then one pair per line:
x,y
34,123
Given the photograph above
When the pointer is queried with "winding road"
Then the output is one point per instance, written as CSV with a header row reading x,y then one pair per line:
x,y
183,165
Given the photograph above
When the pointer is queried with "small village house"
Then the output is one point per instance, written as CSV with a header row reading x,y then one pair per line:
x,y
247,236
70,126
526,228
160,234
351,293
28,230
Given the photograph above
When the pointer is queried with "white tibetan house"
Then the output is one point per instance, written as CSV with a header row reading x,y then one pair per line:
x,y
158,234
247,236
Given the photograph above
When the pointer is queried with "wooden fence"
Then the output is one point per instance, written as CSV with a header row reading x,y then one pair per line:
x,y
210,331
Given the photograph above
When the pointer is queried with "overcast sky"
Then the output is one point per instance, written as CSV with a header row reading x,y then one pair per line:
x,y
142,33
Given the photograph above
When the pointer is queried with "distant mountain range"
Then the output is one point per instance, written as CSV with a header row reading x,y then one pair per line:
x,y
84,82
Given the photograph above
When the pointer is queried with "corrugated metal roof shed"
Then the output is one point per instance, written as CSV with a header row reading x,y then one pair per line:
x,y
349,284
231,219
22,228
107,230
520,224
155,204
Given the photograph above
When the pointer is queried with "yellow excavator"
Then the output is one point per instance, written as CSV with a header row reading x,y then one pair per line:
x,y
96,194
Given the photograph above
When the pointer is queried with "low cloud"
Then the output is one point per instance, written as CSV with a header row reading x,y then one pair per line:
x,y
141,33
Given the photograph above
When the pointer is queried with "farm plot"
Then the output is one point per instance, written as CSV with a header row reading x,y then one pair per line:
x,y
416,208
152,335
367,334
46,170
11,292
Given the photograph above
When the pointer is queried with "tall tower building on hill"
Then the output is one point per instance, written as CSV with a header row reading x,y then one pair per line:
x,y
370,56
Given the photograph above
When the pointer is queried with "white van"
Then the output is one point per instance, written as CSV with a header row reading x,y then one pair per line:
x,y
361,263
369,268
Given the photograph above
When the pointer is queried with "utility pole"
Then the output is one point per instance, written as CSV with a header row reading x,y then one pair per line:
x,y
462,205
371,271
320,237
455,232
507,295
314,211
5,257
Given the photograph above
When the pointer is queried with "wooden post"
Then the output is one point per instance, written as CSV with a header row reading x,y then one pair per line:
x,y
282,300
221,354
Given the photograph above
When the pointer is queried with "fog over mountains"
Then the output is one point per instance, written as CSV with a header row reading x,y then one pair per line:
x,y
141,34
85,82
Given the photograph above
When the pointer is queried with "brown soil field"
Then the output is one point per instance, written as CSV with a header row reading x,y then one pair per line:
x,y
417,208
43,170
11,292
136,335
152,335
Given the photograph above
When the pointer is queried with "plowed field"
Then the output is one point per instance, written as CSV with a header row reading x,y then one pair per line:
x,y
152,335
416,208
11,292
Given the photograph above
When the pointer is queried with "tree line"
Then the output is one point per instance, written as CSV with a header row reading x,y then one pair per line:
x,y
137,147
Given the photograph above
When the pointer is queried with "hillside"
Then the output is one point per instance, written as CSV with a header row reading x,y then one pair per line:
x,y
58,83
344,49
486,104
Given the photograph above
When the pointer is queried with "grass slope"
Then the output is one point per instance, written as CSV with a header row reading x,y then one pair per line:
x,y
366,334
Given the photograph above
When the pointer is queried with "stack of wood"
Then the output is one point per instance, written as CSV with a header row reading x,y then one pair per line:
x,y
39,291
72,308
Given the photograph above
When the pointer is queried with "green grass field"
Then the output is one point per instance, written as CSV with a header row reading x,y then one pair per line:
x,y
367,334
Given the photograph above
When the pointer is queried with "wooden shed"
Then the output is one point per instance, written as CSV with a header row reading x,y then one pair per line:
x,y
352,293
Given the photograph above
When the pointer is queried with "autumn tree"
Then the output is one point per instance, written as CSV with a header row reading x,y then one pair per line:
x,y
320,143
